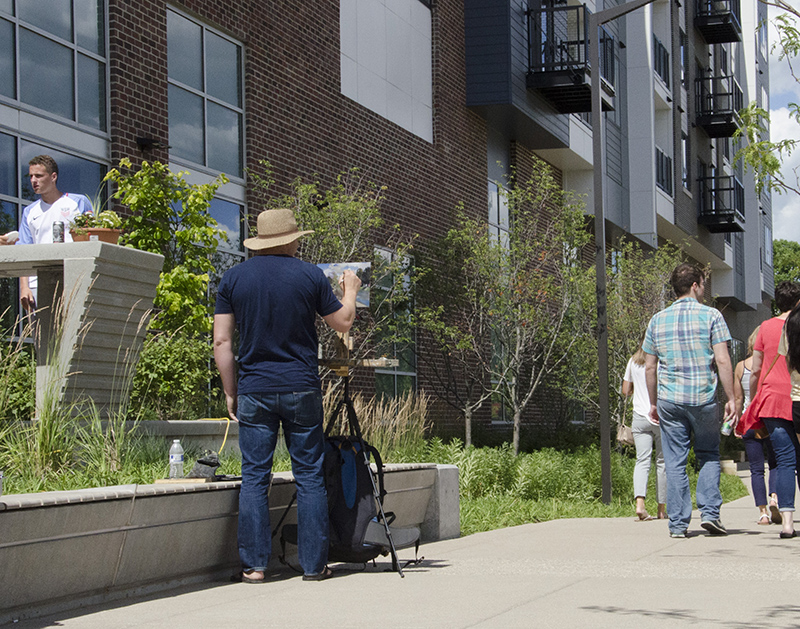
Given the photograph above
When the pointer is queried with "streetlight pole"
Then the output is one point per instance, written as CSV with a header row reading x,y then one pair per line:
x,y
596,20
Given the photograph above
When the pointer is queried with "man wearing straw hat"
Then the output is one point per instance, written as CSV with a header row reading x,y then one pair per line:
x,y
273,299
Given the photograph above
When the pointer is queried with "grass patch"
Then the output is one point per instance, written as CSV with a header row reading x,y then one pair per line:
x,y
499,490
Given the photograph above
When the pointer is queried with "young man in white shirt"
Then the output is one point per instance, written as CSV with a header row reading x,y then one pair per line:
x,y
36,226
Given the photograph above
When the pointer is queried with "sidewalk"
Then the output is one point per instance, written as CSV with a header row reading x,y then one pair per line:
x,y
564,573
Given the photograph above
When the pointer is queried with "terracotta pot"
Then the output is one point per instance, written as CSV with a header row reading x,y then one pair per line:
x,y
103,234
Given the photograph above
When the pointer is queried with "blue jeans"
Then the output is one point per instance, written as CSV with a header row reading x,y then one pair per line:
x,y
678,423
755,456
260,416
784,442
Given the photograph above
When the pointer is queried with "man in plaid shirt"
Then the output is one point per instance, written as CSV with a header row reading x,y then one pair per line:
x,y
683,343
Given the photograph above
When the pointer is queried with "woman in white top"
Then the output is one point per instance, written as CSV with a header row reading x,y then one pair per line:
x,y
646,435
755,448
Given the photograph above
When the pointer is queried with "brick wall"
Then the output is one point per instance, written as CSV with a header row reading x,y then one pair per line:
x,y
297,119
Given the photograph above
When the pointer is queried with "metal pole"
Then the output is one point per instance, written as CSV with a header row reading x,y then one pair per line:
x,y
595,21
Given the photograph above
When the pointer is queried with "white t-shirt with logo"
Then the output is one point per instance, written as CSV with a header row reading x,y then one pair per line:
x,y
36,227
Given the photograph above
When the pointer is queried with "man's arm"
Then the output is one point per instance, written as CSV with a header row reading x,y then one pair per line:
x,y
342,319
224,327
26,294
755,372
725,370
738,391
651,377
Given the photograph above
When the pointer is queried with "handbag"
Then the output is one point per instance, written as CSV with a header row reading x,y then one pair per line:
x,y
625,435
624,432
751,416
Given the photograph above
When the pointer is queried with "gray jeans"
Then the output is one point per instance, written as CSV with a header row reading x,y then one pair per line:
x,y
645,435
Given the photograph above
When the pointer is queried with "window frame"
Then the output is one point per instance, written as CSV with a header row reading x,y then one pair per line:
x,y
238,177
76,50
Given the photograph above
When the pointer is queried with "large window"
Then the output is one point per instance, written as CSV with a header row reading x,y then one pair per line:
x,y
53,58
230,219
205,96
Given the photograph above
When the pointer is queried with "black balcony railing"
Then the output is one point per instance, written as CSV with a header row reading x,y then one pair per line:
x,y
661,60
721,204
558,64
718,102
664,171
718,20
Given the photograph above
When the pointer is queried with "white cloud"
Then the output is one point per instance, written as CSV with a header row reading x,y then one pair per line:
x,y
784,88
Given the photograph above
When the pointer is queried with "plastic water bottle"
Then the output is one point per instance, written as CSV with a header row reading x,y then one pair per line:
x,y
727,427
176,460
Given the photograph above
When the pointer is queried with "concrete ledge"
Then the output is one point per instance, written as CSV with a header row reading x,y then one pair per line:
x,y
64,550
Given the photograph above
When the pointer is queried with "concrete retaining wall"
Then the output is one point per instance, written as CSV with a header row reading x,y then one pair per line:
x,y
64,550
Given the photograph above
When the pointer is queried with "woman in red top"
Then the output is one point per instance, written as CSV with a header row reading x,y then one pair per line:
x,y
770,375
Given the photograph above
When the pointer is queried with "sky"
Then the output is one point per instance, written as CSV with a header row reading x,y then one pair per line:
x,y
784,89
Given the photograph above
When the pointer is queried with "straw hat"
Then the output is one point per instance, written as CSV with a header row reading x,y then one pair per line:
x,y
275,228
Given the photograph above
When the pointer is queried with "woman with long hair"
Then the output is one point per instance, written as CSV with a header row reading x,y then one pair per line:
x,y
646,436
753,446
770,377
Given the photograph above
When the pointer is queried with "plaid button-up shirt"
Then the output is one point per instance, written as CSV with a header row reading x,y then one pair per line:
x,y
682,336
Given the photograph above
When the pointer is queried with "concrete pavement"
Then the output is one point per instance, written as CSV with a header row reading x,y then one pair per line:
x,y
565,573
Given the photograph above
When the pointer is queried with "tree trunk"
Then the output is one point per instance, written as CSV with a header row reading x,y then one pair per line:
x,y
517,421
467,426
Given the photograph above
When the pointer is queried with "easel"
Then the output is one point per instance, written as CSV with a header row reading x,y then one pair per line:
x,y
341,366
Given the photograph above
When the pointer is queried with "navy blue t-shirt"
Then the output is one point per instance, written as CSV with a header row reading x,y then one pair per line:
x,y
275,300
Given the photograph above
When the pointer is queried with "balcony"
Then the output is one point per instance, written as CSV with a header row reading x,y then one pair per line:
x,y
718,21
559,59
721,204
719,100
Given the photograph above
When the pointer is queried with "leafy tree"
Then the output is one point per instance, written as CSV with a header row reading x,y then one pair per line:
x,y
510,298
171,217
347,223
786,261
761,155
637,287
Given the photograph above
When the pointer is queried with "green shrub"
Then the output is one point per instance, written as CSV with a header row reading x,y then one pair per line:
x,y
172,377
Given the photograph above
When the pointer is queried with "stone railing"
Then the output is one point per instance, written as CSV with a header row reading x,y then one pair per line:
x,y
64,550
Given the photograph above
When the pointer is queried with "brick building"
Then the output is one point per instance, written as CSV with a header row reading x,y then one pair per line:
x,y
424,96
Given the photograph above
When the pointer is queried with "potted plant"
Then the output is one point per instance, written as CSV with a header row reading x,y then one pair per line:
x,y
105,227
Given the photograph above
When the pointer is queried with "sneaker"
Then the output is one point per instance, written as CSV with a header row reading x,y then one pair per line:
x,y
677,534
714,527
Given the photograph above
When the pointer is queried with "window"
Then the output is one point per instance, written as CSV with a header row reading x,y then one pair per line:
x,y
54,60
686,164
762,37
498,213
684,52
768,245
230,219
386,60
393,382
75,174
205,96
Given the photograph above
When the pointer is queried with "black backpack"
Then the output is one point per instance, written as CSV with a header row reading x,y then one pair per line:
x,y
351,499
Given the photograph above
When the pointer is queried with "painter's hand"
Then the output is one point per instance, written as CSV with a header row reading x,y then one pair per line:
x,y
350,282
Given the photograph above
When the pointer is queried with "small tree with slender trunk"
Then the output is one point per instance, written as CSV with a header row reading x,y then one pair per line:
x,y
512,293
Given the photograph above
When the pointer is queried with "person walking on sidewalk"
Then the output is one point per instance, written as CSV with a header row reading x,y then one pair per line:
x,y
770,378
646,436
682,344
753,446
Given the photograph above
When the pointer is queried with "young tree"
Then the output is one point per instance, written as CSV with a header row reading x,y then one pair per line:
x,y
510,309
637,287
786,261
347,223
765,157
171,217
